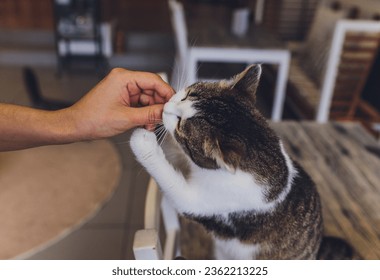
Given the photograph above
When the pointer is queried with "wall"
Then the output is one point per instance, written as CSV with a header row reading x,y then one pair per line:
x,y
129,15
26,14
139,15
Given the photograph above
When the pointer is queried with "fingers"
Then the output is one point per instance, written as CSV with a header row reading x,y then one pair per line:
x,y
153,85
147,116
147,84
145,100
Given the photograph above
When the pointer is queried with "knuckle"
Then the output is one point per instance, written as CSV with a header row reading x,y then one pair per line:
x,y
117,71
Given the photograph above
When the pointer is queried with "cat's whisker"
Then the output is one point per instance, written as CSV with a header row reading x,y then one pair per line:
x,y
160,141
159,133
184,77
197,69
123,142
159,128
162,136
156,121
178,74
165,136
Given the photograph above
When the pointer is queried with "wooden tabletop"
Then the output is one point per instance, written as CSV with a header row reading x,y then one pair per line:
x,y
206,30
344,162
214,36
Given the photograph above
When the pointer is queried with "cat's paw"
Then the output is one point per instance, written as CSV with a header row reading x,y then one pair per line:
x,y
144,145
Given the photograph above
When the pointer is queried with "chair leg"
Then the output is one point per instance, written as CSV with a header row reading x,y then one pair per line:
x,y
146,245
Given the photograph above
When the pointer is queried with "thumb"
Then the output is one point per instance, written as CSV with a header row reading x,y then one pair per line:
x,y
147,116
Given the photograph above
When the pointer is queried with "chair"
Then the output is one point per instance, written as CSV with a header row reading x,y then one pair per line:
x,y
147,243
289,19
353,50
166,235
329,86
188,57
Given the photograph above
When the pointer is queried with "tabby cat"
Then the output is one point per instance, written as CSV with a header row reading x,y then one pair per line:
x,y
238,180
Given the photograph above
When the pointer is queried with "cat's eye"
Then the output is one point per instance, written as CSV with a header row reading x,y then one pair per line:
x,y
179,122
192,94
189,94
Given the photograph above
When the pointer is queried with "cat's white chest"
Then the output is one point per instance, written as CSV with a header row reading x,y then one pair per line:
x,y
233,249
218,192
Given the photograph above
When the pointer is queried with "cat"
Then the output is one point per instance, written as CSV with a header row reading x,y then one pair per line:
x,y
236,178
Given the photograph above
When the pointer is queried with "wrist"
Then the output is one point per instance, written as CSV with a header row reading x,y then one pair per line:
x,y
65,126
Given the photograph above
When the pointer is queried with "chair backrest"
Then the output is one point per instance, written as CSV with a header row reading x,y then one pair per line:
x,y
179,26
147,242
289,19
353,50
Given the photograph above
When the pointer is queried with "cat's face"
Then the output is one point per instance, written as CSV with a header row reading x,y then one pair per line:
x,y
213,122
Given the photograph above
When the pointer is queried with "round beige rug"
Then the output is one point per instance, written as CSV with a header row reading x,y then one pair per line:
x,y
47,192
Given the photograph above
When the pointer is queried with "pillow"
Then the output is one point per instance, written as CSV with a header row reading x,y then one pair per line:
x,y
314,56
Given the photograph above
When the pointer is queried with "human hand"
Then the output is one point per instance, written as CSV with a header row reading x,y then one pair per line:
x,y
122,100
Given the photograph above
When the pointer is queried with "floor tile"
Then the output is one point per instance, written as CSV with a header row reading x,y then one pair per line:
x,y
137,198
121,143
86,244
114,211
127,253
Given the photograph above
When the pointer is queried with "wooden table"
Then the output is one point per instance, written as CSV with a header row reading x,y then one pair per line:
x,y
344,162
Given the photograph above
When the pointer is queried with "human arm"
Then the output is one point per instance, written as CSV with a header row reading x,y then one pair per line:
x,y
110,108
23,127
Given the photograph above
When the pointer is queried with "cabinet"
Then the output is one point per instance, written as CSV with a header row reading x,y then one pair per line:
x,y
79,35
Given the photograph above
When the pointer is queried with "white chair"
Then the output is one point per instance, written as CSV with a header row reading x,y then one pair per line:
x,y
349,57
366,31
147,243
188,57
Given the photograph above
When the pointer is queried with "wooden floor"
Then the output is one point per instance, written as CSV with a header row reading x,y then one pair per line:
x,y
344,161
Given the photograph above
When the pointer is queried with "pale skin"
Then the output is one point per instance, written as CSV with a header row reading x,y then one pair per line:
x,y
122,100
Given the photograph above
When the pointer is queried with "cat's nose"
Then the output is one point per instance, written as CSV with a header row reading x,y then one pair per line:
x,y
172,109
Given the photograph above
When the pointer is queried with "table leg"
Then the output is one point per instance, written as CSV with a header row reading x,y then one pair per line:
x,y
280,89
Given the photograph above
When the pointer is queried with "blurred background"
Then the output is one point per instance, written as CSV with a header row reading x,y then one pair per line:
x,y
54,51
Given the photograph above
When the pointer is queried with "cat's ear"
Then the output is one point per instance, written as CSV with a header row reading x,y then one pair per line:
x,y
226,153
248,80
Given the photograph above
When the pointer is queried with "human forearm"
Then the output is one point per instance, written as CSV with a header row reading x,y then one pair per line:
x,y
122,100
23,127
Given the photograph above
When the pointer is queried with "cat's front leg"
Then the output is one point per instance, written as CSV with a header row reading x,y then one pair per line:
x,y
149,153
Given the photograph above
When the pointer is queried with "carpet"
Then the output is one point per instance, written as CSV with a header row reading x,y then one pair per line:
x,y
47,192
